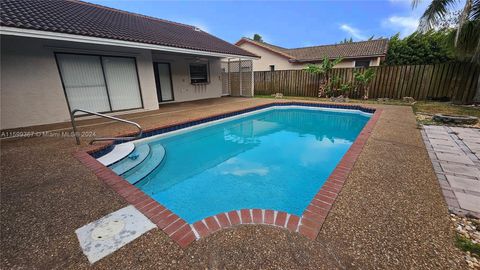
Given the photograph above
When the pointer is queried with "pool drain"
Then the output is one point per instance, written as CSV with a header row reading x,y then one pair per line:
x,y
107,230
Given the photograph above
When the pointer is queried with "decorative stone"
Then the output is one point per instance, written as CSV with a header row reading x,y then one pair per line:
x,y
277,95
340,98
408,99
455,119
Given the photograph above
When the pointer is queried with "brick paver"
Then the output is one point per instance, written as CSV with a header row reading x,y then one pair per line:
x,y
455,152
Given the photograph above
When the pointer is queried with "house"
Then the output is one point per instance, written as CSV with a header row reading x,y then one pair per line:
x,y
57,56
354,54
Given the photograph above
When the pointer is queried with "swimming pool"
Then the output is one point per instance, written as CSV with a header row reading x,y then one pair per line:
x,y
276,158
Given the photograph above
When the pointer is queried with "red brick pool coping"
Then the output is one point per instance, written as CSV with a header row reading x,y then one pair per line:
x,y
309,224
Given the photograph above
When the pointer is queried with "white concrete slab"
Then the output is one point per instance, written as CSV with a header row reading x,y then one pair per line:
x,y
437,134
462,158
460,169
119,151
443,142
447,149
474,147
463,183
106,235
468,201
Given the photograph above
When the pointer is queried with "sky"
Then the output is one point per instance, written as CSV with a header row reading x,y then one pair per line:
x,y
290,24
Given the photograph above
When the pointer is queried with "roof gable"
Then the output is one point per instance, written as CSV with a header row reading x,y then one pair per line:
x,y
86,19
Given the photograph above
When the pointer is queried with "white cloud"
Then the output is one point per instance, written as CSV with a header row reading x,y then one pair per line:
x,y
408,2
403,24
354,32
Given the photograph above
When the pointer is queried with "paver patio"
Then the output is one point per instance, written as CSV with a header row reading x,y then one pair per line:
x,y
455,153
390,213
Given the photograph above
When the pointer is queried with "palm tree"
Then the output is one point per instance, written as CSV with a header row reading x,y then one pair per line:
x,y
363,80
324,69
466,37
467,32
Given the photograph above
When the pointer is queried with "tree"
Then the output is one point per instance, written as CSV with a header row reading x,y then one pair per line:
x,y
466,38
466,34
345,40
420,48
363,79
324,69
257,37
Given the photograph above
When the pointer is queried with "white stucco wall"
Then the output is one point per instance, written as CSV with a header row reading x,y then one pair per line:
x,y
180,68
32,93
350,63
268,58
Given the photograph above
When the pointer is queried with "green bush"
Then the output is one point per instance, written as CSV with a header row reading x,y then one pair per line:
x,y
420,49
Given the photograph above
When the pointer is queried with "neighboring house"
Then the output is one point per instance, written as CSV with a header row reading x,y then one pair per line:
x,y
354,54
57,56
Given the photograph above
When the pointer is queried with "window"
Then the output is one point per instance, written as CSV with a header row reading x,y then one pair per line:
x,y
272,67
99,83
362,63
198,73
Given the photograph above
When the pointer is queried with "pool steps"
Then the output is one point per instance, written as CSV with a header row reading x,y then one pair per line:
x,y
146,166
119,152
136,157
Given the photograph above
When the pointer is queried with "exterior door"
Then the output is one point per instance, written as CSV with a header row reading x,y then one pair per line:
x,y
163,79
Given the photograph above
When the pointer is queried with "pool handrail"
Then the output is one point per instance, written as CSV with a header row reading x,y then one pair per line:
x,y
77,137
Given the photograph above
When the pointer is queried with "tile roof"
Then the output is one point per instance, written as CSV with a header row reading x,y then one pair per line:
x,y
86,19
377,47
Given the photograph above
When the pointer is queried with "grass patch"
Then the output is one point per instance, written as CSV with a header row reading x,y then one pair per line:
x,y
466,244
419,107
370,101
445,108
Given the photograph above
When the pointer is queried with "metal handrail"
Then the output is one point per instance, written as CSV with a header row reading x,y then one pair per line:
x,y
77,138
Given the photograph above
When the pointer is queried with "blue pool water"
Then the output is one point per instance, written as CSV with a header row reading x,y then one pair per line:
x,y
276,159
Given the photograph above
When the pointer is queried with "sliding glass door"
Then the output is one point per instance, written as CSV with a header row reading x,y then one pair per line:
x,y
163,79
83,81
122,82
99,83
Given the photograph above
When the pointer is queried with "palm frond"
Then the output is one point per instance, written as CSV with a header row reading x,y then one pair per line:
x,y
336,61
415,3
463,18
475,11
434,13
468,42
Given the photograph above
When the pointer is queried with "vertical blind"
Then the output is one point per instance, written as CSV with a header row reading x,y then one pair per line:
x,y
100,83
165,83
122,82
83,80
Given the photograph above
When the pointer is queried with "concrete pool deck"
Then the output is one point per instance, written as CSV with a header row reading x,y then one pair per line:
x,y
389,214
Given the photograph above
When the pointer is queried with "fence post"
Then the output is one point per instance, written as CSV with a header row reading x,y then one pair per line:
x,y
240,76
228,77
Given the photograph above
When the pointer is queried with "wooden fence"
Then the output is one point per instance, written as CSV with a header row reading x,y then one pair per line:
x,y
453,81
